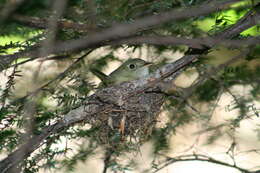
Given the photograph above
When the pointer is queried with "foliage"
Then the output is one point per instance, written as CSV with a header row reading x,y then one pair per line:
x,y
70,90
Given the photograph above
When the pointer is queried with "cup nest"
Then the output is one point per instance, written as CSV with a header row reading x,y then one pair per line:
x,y
123,114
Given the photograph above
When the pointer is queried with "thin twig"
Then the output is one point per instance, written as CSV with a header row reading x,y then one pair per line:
x,y
197,157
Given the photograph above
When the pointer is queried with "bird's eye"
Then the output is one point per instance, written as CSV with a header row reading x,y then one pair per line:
x,y
131,66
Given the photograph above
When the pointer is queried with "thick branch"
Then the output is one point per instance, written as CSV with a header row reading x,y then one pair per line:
x,y
120,31
124,30
197,43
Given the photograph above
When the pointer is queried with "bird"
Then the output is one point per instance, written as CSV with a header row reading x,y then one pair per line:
x,y
132,69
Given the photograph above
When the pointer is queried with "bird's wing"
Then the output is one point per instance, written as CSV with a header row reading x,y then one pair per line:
x,y
102,76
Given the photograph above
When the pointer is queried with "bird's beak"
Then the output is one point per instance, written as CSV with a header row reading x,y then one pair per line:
x,y
148,63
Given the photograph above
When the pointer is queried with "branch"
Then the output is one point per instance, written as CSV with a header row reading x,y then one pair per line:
x,y
124,30
248,20
40,23
197,43
198,157
120,31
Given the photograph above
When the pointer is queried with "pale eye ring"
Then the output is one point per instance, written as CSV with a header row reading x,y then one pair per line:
x,y
131,66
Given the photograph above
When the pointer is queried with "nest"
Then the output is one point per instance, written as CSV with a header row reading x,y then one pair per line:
x,y
123,114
